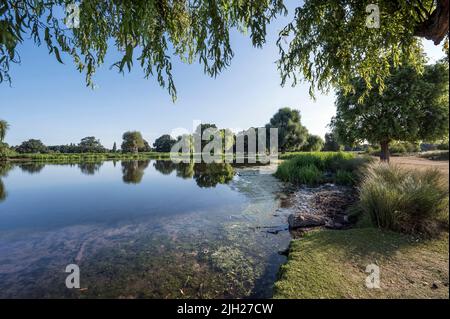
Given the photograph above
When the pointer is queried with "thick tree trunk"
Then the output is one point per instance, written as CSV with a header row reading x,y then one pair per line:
x,y
385,156
435,27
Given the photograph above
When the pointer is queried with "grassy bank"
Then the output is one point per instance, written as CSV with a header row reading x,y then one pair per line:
x,y
320,167
331,264
61,157
413,260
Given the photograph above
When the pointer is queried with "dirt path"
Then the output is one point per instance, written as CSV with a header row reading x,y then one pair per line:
x,y
421,163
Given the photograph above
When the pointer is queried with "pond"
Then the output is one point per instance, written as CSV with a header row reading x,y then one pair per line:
x,y
140,229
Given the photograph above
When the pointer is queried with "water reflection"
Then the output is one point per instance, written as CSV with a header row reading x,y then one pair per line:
x,y
90,168
5,167
133,171
174,231
209,175
164,167
205,175
31,167
2,191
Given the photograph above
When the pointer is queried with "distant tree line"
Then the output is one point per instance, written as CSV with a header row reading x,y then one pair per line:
x,y
292,135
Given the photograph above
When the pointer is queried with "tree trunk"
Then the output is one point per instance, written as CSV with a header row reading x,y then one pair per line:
x,y
384,155
435,27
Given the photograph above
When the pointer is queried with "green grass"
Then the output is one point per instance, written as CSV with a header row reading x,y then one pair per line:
x,y
318,167
404,200
332,263
55,157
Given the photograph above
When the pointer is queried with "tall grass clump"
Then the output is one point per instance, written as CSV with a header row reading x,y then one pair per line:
x,y
313,168
405,200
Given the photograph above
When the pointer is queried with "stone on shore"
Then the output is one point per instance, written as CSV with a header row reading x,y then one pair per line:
x,y
305,220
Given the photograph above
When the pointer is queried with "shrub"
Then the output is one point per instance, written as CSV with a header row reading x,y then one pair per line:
x,y
309,175
310,168
344,177
290,171
443,146
409,201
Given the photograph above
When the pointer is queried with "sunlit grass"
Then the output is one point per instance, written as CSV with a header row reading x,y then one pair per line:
x,y
405,200
318,167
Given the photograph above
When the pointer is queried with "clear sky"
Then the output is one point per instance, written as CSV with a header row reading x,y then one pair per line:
x,y
49,101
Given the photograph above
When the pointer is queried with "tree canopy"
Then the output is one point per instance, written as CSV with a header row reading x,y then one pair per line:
x,y
292,135
90,144
327,43
146,31
331,143
4,126
32,146
413,107
132,142
164,143
314,143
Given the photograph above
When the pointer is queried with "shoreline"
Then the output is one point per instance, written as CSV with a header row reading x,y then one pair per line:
x,y
331,262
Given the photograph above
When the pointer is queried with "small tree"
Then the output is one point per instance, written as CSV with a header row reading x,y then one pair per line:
x,y
90,144
132,142
412,107
114,148
4,126
292,135
164,143
314,143
32,146
146,147
331,143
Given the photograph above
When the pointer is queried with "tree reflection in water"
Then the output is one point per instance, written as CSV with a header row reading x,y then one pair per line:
x,y
205,175
31,167
5,167
133,171
90,168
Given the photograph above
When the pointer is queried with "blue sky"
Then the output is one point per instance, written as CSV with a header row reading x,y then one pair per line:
x,y
49,101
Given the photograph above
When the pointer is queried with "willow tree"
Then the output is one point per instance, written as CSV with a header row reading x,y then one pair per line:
x,y
413,107
148,32
4,126
327,43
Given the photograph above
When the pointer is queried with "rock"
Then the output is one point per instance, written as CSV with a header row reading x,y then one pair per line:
x,y
333,225
305,220
434,286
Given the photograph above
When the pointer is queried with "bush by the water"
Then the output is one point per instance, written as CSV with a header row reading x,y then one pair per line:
x,y
317,167
404,200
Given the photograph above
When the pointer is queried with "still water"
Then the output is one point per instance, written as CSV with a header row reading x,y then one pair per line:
x,y
140,229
